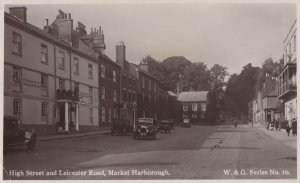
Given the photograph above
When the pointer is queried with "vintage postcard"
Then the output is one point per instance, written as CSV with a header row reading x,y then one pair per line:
x,y
164,90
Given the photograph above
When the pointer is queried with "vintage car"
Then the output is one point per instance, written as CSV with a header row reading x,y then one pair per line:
x,y
14,136
186,123
164,126
145,127
121,126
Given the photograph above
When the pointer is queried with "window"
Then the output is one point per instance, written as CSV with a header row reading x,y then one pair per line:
x,y
76,66
103,93
124,95
143,82
185,107
76,85
194,107
61,84
109,115
90,71
61,60
91,94
115,96
194,116
143,98
115,112
17,43
103,114
17,109
133,96
203,107
45,112
114,76
44,84
154,87
102,71
44,54
17,79
91,115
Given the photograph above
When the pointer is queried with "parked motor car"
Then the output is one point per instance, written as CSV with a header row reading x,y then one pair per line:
x,y
121,126
186,123
145,127
164,126
13,135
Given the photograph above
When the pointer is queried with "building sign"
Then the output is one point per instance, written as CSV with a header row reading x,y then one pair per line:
x,y
83,98
31,83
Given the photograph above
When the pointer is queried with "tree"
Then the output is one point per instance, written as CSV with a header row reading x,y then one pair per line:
x,y
240,90
196,77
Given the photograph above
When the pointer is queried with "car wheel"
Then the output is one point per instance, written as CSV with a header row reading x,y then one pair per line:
x,y
32,143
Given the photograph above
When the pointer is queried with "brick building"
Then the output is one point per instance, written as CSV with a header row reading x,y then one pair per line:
x,y
129,83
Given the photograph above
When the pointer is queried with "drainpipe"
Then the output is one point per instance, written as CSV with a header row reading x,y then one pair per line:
x,y
55,91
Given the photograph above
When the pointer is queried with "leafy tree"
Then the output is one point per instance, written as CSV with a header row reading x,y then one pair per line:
x,y
196,77
240,90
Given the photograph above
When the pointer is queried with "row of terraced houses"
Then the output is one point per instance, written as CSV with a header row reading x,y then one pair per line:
x,y
59,74
277,99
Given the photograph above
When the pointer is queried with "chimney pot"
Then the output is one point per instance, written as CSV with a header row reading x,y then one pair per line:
x,y
47,22
69,15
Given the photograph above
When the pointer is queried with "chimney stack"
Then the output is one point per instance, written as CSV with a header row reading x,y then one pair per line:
x,y
19,12
120,53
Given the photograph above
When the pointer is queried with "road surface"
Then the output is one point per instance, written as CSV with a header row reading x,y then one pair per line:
x,y
200,152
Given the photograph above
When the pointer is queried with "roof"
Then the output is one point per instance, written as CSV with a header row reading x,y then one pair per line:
x,y
50,37
196,96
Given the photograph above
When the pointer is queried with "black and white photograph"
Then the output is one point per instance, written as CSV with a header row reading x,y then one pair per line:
x,y
142,90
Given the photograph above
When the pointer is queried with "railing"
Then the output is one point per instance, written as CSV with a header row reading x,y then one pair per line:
x,y
287,86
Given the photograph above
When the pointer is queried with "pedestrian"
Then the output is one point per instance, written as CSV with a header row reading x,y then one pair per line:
x,y
276,124
272,125
268,125
294,127
288,129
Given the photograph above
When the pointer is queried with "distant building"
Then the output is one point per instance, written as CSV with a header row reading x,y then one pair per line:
x,y
148,93
193,105
286,81
269,97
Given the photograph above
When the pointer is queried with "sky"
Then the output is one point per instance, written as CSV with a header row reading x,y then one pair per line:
x,y
231,35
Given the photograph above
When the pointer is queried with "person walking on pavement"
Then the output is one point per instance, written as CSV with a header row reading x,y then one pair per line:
x,y
288,129
294,127
276,124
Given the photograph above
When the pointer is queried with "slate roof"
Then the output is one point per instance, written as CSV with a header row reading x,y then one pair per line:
x,y
197,96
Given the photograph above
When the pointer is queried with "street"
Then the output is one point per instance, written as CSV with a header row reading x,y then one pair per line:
x,y
200,152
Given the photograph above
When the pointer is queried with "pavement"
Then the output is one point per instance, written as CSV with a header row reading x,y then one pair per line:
x,y
72,135
280,136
